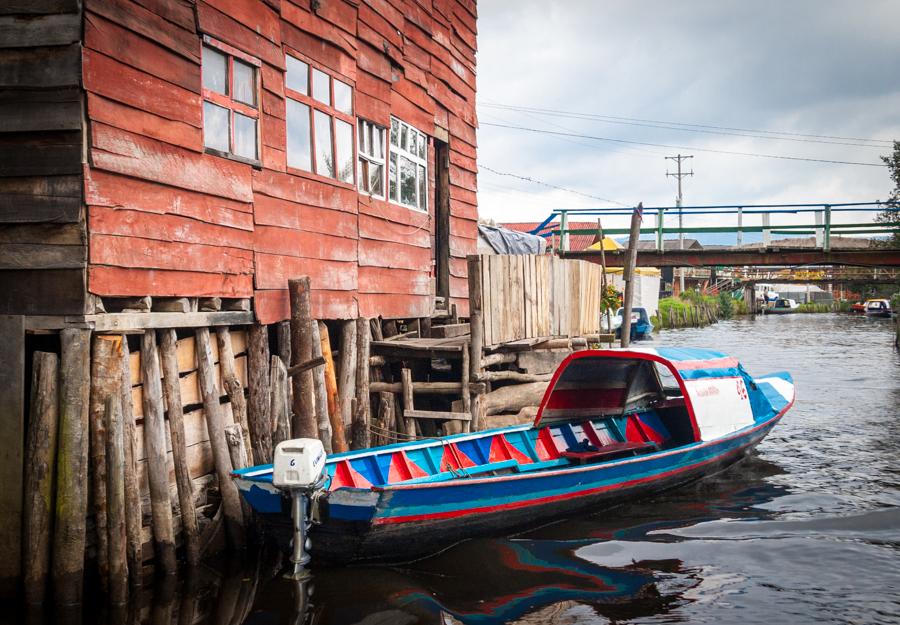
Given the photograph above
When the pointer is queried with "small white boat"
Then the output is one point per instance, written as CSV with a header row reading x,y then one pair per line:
x,y
782,307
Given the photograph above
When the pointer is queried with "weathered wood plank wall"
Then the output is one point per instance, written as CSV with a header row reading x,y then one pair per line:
x,y
167,219
42,267
526,297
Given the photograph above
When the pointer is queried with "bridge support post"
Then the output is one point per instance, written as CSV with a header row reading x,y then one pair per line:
x,y
826,243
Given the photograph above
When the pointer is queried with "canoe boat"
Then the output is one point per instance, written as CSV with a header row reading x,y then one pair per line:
x,y
613,425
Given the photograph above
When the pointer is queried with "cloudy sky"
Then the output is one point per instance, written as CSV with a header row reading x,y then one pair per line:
x,y
778,75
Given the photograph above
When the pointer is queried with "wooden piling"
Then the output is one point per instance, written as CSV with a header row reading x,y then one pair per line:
x,y
234,388
361,417
71,467
105,381
133,520
464,383
284,342
234,436
231,503
476,338
628,273
115,496
347,371
259,421
40,473
320,394
155,452
280,407
172,387
338,442
304,418
408,401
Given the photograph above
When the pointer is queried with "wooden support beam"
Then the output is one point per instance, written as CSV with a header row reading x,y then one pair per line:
x,y
360,430
283,329
133,521
435,388
338,442
408,401
347,371
115,497
12,440
231,503
259,421
40,473
155,452
304,417
476,341
105,381
168,350
465,392
318,361
492,360
71,468
432,414
136,322
280,406
234,389
515,376
449,330
320,394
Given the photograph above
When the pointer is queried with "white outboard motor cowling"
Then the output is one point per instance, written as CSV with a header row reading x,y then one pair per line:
x,y
299,469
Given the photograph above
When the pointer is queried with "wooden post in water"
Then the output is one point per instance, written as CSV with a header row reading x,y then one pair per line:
x,y
234,389
338,442
360,430
602,278
231,502
133,521
155,451
476,338
105,381
259,421
628,275
280,407
304,418
115,496
171,384
320,393
347,371
465,370
408,402
71,467
40,472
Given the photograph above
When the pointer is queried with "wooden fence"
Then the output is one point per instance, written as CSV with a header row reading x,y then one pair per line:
x,y
526,297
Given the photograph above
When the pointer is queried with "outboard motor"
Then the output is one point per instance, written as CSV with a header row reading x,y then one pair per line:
x,y
299,469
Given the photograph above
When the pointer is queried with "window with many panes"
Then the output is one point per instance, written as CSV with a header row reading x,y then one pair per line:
x,y
371,149
230,101
319,121
408,167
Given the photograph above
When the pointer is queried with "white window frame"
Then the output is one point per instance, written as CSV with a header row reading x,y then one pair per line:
x,y
419,161
366,155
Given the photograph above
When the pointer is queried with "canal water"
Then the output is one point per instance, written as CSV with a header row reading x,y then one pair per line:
x,y
807,530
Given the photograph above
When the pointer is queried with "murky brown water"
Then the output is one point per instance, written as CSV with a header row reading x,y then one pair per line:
x,y
805,531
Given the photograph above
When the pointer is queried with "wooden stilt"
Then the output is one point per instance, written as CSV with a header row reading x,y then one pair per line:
x,y
360,430
408,401
231,503
476,341
284,342
258,420
338,442
347,371
71,467
234,436
155,452
234,388
628,273
304,417
280,406
115,496
172,388
105,381
134,547
40,473
464,381
320,393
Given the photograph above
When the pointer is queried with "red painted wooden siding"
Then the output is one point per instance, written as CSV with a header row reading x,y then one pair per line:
x,y
167,219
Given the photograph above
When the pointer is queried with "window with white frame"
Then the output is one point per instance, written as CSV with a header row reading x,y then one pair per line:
x,y
370,148
408,166
230,101
319,121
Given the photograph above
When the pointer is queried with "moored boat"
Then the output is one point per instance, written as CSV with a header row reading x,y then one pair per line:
x,y
782,307
878,308
613,425
641,326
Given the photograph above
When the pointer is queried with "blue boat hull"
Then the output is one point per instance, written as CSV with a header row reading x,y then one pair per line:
x,y
404,523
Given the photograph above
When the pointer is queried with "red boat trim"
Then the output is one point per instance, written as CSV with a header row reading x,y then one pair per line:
x,y
719,363
620,354
616,463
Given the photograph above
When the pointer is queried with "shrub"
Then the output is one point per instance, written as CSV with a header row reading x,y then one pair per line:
x,y
726,306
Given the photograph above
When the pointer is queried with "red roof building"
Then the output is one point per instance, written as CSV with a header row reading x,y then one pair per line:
x,y
577,242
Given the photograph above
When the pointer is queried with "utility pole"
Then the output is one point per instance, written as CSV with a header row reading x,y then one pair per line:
x,y
679,175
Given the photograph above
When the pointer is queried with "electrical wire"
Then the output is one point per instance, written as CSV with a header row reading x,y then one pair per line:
x,y
547,184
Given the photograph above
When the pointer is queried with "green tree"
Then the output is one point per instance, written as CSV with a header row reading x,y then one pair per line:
x,y
890,215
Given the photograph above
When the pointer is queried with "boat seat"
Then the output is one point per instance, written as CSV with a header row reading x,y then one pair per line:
x,y
608,452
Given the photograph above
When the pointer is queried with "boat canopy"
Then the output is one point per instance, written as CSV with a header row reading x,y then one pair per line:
x,y
711,386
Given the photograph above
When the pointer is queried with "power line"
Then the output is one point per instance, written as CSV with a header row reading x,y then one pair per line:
x,y
681,147
652,123
547,184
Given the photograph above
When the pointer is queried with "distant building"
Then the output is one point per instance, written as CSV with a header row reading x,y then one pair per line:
x,y
577,242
